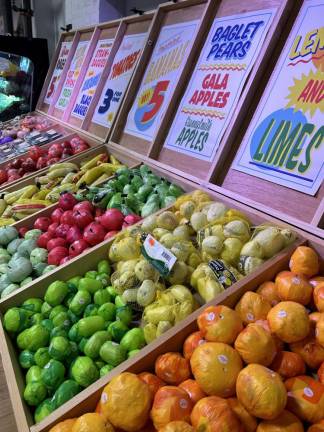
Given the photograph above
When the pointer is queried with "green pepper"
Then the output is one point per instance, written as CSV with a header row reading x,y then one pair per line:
x,y
175,190
115,201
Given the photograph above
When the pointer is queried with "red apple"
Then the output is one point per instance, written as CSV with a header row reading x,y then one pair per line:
x,y
94,233
55,151
84,205
65,260
56,215
55,242
43,239
52,228
28,165
110,234
99,212
22,231
67,218
41,162
73,234
62,230
56,255
112,219
67,201
34,153
77,247
82,218
42,223
3,176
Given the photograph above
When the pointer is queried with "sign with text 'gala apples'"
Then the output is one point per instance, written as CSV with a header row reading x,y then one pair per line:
x,y
160,79
230,51
285,141
72,75
56,75
92,77
116,85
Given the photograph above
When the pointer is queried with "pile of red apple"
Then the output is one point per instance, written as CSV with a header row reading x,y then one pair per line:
x,y
38,158
74,227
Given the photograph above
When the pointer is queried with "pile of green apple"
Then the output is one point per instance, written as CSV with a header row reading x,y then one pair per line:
x,y
77,333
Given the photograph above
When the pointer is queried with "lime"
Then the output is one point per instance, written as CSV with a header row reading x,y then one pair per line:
x,y
84,371
65,392
59,348
37,318
107,311
57,310
42,357
35,392
53,374
33,304
90,285
80,301
90,310
133,353
92,274
133,339
46,310
104,279
117,329
43,410
124,314
104,267
56,293
105,369
112,353
26,359
34,374
101,297
15,319
33,338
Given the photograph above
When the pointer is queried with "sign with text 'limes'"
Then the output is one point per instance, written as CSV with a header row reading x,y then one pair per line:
x,y
285,141
161,258
160,79
232,46
116,85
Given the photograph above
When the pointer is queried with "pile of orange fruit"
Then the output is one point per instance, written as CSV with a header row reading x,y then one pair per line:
x,y
256,368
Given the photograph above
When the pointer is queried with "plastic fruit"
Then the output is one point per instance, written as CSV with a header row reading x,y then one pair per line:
x,y
268,292
261,391
219,324
248,421
126,400
191,343
215,367
305,398
304,261
193,389
310,350
289,321
214,414
319,296
288,364
293,287
91,422
153,382
177,426
256,345
172,368
64,426
252,307
170,404
285,422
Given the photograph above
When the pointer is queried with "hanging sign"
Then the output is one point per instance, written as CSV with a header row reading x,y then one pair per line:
x,y
91,80
116,85
72,75
56,75
160,79
284,143
230,51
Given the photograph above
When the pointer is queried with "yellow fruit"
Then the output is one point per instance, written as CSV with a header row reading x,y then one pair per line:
x,y
248,421
92,422
64,426
285,422
252,307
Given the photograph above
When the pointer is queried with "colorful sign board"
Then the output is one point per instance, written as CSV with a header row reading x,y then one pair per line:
x,y
72,75
92,77
285,141
160,79
231,49
119,77
57,72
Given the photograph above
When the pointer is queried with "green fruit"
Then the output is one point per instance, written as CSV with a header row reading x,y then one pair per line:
x,y
112,292
90,325
74,333
74,350
34,374
90,285
133,339
57,310
133,353
48,324
94,343
90,310
107,311
119,302
56,293
117,329
101,296
37,318
80,301
72,317
34,393
104,279
43,410
124,314
68,299
59,348
15,319
46,309
104,267
33,304
92,274
100,364
33,338
62,319
73,283
53,374
26,359
84,371
112,353
105,369
82,344
26,281
59,331
42,357
66,391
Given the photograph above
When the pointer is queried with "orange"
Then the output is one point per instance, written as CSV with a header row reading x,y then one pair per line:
x,y
191,343
310,350
63,426
285,422
248,421
219,324
320,373
261,391
91,422
170,404
153,382
172,368
215,367
314,317
293,287
256,345
318,427
193,389
279,343
252,307
319,330
126,402
305,398
316,281
289,321
268,292
177,426
213,414
288,364
318,295
304,261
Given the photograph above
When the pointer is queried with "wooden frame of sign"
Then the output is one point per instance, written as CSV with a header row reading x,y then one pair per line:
x,y
167,14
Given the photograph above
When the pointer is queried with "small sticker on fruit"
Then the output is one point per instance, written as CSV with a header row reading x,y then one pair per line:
x,y
161,258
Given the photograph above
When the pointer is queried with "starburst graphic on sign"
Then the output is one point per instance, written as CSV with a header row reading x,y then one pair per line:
x,y
145,97
306,93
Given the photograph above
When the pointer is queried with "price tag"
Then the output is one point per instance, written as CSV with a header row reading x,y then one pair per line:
x,y
161,258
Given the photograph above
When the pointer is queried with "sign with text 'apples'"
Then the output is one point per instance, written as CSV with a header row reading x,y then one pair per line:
x,y
285,141
160,79
230,51
116,85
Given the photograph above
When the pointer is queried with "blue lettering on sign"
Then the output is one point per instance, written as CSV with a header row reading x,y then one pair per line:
x,y
91,82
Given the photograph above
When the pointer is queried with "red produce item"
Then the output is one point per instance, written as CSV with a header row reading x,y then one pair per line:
x,y
84,205
34,153
3,176
110,234
55,242
22,231
65,260
112,219
56,255
67,201
94,233
56,215
67,218
43,239
55,151
42,223
28,165
73,234
62,230
78,247
41,162
82,218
